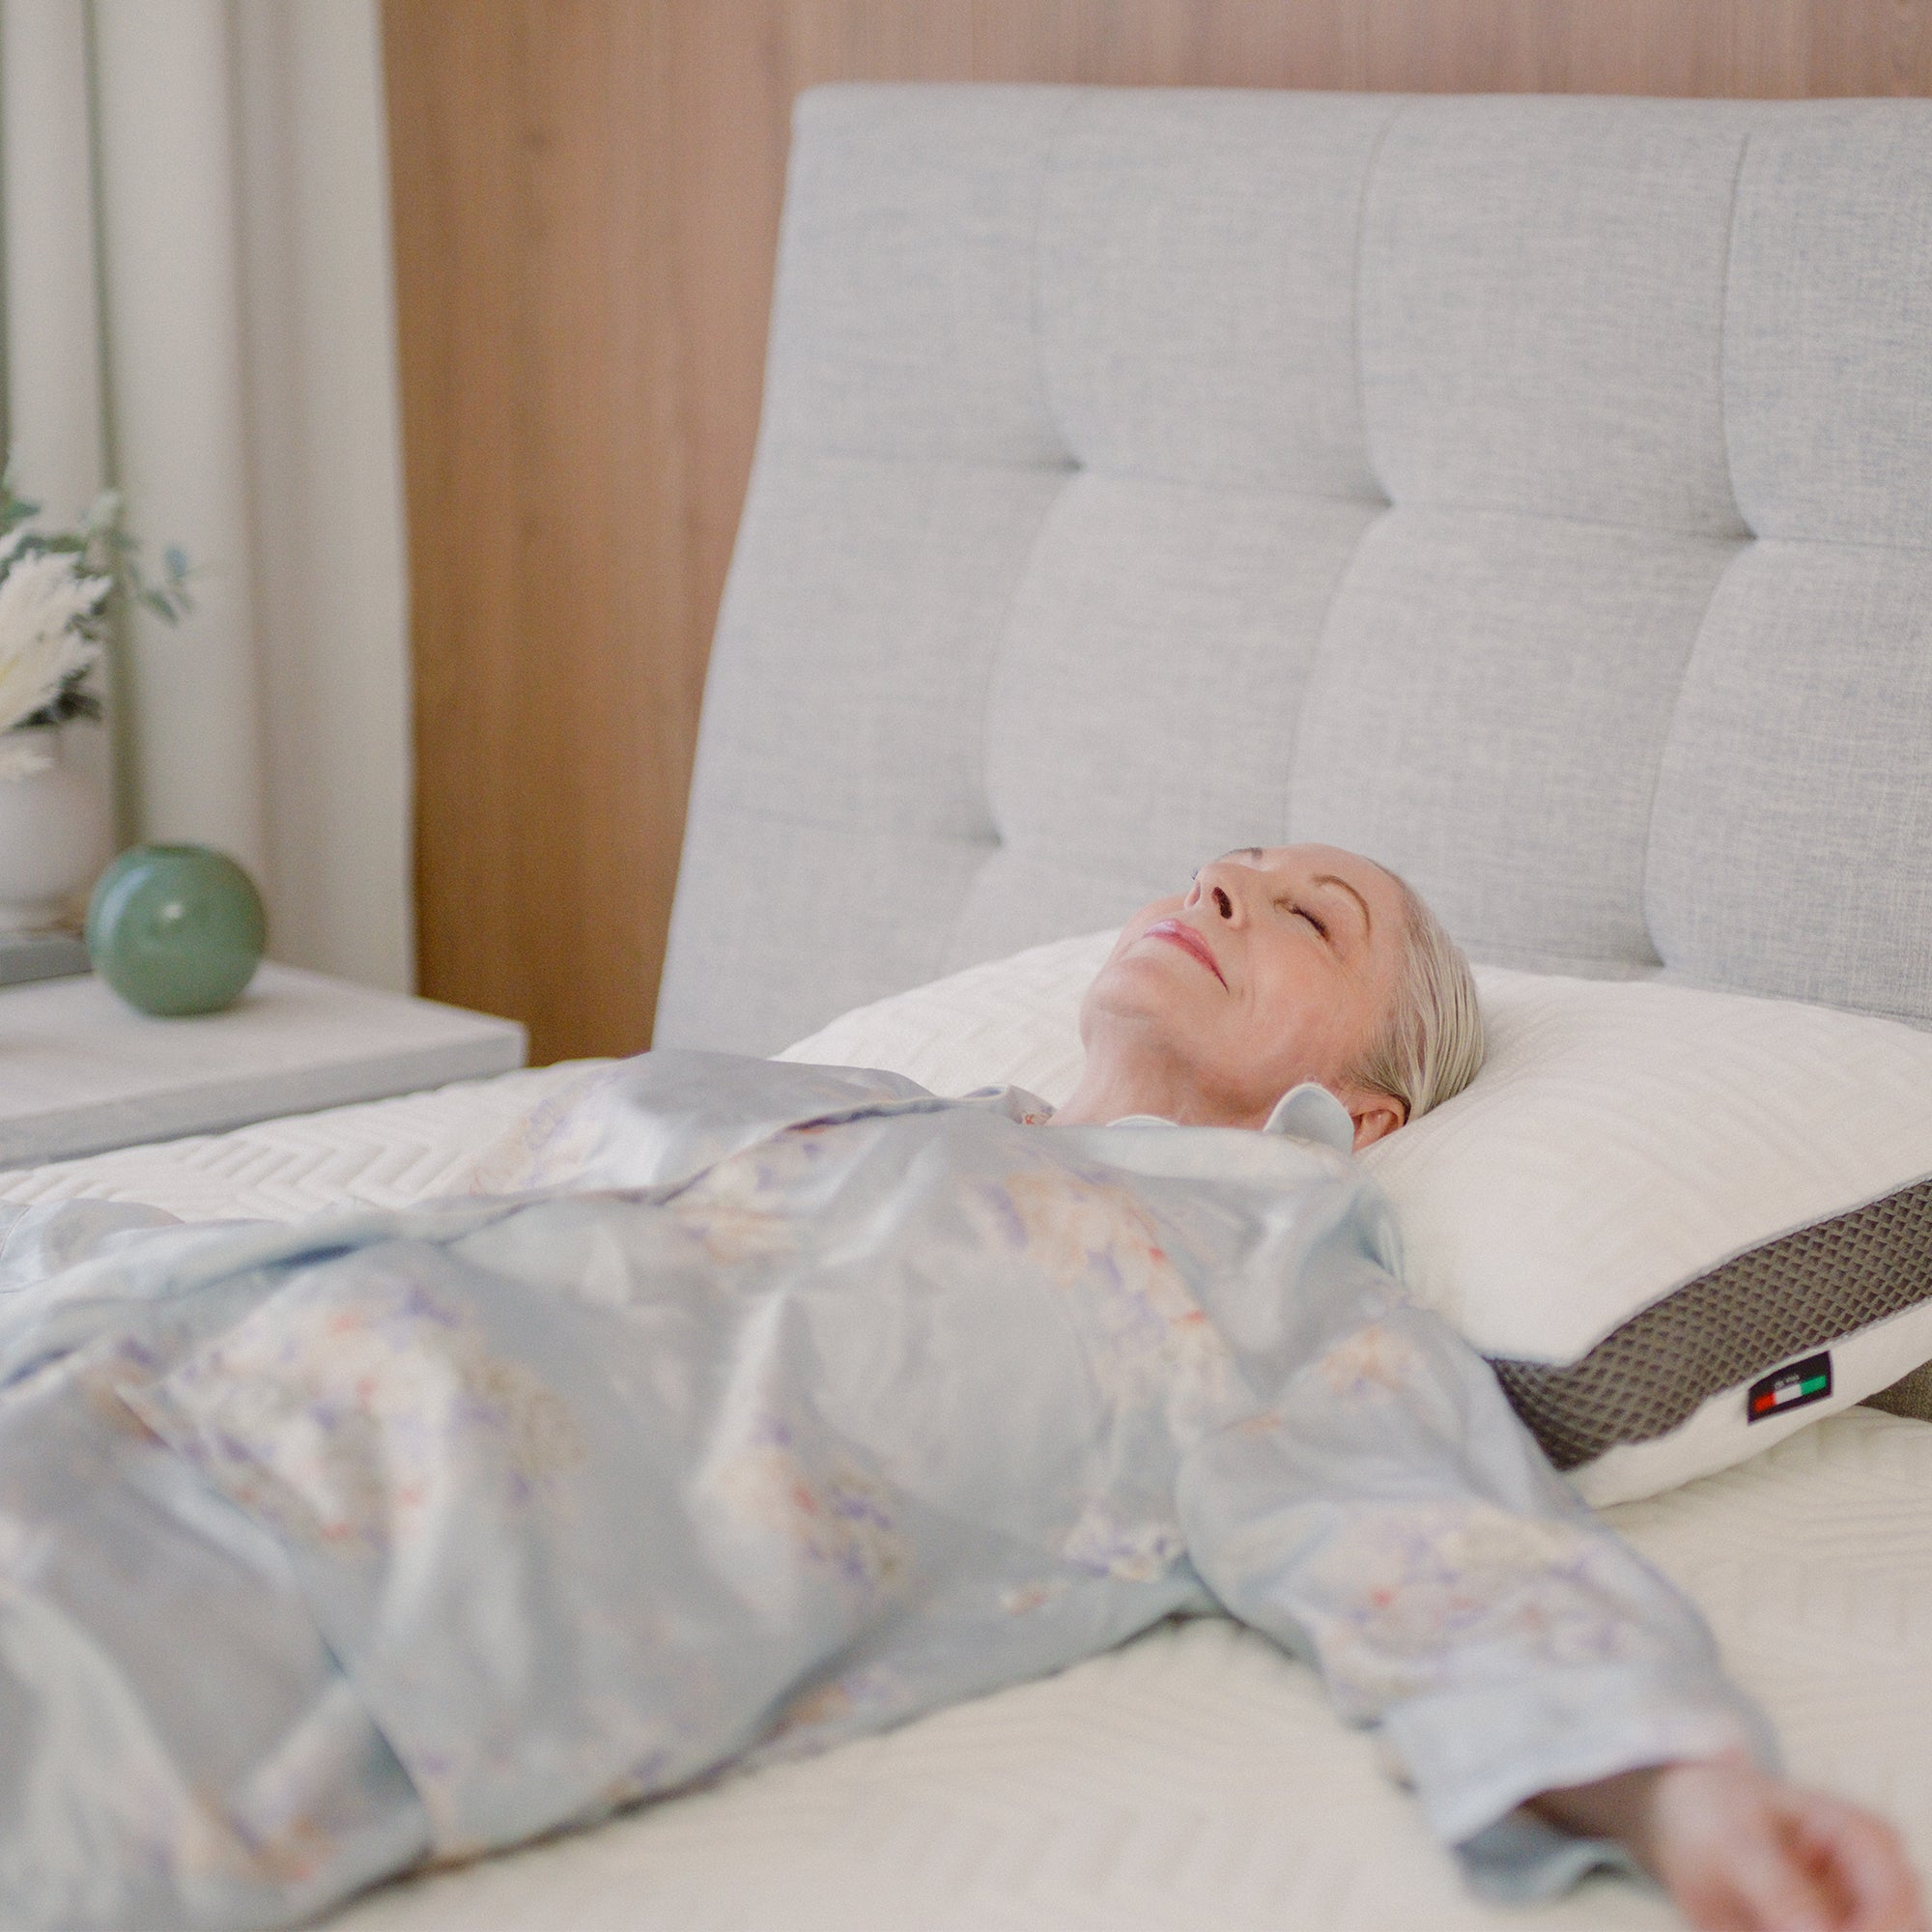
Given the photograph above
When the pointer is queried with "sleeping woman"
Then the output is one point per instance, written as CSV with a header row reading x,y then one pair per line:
x,y
764,1406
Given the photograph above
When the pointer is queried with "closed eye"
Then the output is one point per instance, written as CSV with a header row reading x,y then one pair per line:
x,y
1302,912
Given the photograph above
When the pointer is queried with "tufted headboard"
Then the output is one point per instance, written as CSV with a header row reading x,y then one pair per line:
x,y
1534,494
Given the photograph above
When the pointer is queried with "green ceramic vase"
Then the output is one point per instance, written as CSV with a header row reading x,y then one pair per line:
x,y
176,929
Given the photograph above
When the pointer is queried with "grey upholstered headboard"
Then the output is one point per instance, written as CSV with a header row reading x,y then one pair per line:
x,y
1535,493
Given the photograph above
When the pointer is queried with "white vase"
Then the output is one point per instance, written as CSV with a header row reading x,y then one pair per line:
x,y
54,838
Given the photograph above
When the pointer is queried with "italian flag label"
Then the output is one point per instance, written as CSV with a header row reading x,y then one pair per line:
x,y
1808,1380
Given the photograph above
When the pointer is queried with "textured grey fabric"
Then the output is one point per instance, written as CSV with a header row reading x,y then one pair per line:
x,y
1207,607
1829,328
863,645
1791,847
1542,308
906,275
1197,286
1487,715
839,811
800,916
1069,556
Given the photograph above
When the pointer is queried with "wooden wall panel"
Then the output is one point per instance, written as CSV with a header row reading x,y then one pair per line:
x,y
587,202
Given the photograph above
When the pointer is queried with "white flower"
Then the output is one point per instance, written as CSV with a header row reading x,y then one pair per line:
x,y
41,599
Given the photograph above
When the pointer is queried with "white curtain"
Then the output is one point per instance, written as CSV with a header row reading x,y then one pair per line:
x,y
198,308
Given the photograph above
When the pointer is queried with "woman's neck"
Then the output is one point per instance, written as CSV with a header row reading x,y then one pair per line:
x,y
1111,1089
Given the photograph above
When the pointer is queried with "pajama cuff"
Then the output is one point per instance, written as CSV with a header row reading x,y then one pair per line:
x,y
1522,1859
1475,1757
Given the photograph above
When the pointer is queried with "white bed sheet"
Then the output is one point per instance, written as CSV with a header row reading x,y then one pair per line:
x,y
1193,1781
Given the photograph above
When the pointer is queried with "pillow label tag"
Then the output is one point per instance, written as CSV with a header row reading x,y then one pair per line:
x,y
1808,1380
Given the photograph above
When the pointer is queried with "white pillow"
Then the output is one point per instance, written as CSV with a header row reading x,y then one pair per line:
x,y
1010,1023
1681,1223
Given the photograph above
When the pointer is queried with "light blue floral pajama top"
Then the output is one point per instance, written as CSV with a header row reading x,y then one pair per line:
x,y
769,1404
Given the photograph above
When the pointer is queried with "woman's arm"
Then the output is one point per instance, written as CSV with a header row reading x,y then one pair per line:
x,y
1390,1518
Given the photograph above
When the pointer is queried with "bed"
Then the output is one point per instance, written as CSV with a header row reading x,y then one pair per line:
x,y
1528,492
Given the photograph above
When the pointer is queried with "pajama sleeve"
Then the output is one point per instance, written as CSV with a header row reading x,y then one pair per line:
x,y
1389,1519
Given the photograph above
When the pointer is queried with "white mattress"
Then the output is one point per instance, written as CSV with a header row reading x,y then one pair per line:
x,y
1192,1781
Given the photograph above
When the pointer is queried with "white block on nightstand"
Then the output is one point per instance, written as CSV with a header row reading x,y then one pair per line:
x,y
80,1071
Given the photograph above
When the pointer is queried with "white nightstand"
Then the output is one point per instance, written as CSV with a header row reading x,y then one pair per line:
x,y
80,1072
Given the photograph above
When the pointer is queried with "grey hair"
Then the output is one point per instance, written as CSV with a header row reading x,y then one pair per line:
x,y
1431,1044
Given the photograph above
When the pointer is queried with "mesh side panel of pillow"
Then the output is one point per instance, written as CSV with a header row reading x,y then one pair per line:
x,y
1730,1328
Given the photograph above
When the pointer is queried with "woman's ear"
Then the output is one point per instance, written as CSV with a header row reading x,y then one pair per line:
x,y
1373,1115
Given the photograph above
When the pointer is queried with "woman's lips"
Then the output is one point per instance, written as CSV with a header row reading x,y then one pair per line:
x,y
1187,939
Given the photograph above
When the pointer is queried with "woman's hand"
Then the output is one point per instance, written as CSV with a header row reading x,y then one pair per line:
x,y
1744,1852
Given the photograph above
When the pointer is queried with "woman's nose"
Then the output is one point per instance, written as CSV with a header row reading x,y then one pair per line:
x,y
1209,886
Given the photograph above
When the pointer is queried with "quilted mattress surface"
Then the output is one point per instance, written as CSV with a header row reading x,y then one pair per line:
x,y
1192,1781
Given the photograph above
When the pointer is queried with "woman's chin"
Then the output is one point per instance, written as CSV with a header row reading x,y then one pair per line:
x,y
1134,988
1161,963
1142,1016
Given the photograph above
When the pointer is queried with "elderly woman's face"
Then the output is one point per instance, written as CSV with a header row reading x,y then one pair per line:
x,y
1276,966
